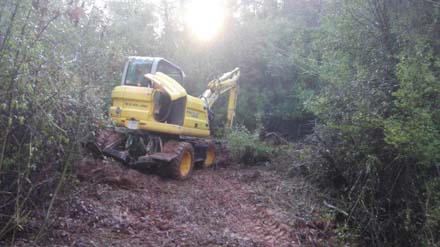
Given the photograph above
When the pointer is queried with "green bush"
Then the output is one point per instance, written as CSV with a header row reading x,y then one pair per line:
x,y
53,80
246,147
377,138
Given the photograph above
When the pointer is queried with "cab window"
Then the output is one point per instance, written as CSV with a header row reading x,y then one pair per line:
x,y
170,70
135,73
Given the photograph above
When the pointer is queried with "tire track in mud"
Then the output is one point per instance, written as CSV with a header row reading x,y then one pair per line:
x,y
114,206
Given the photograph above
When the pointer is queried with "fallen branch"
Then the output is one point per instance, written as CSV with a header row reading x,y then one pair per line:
x,y
335,208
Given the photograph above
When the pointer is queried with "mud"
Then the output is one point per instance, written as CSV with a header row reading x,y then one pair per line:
x,y
225,206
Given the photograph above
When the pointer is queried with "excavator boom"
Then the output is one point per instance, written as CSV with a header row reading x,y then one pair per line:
x,y
227,82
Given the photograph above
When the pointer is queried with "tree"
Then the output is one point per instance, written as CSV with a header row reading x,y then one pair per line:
x,y
378,131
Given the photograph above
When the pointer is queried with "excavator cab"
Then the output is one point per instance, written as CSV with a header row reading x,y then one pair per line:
x,y
137,72
137,67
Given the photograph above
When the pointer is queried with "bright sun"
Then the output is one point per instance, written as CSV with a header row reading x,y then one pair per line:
x,y
204,17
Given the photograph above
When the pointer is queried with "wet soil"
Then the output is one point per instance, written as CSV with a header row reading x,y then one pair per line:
x,y
225,206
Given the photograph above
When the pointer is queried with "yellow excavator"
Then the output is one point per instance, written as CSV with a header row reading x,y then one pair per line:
x,y
157,123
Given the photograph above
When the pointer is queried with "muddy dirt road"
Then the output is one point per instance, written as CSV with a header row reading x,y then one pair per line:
x,y
231,206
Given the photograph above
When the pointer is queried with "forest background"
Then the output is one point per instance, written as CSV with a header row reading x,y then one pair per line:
x,y
358,81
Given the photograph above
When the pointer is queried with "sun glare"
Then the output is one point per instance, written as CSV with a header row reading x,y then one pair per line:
x,y
204,17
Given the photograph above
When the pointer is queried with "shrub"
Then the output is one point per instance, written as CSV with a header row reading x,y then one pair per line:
x,y
246,147
377,138
49,105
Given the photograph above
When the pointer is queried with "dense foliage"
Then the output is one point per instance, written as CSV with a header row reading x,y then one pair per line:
x,y
379,117
362,75
56,70
247,148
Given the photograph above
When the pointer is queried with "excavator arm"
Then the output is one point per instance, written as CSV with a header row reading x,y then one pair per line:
x,y
227,82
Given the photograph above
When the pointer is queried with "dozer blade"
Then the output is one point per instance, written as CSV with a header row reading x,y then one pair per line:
x,y
105,143
166,157
121,156
156,158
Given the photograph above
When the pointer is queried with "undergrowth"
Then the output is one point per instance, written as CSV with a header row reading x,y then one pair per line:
x,y
246,147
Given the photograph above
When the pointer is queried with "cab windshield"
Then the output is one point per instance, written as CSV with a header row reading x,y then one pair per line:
x,y
136,71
